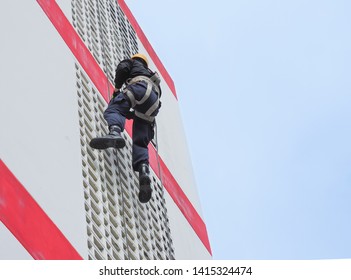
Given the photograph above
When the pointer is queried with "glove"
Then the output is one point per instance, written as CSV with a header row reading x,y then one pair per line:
x,y
130,115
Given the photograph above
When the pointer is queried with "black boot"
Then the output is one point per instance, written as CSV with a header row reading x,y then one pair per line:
x,y
144,183
111,140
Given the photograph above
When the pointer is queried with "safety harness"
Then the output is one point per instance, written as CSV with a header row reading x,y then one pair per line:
x,y
152,85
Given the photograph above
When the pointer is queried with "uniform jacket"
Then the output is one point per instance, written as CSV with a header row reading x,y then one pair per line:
x,y
130,68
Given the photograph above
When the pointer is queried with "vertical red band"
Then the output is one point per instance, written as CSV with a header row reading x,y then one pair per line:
x,y
28,222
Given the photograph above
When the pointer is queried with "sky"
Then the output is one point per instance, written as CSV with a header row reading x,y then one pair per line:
x,y
264,89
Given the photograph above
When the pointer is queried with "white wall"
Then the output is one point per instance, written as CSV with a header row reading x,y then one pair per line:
x,y
39,139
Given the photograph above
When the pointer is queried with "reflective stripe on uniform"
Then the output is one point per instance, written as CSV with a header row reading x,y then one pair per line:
x,y
136,79
130,96
144,117
151,85
146,96
153,108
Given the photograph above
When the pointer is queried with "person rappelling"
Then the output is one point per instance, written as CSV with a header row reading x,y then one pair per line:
x,y
139,99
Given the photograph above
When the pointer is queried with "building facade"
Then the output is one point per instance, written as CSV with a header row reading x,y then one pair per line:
x,y
60,199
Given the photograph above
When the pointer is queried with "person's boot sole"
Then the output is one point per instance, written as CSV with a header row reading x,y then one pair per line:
x,y
102,143
145,191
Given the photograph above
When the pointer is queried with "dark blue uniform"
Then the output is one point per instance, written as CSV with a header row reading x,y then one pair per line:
x,y
119,107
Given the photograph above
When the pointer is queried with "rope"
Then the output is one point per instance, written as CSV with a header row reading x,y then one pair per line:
x,y
157,155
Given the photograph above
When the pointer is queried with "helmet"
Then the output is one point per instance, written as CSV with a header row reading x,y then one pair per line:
x,y
143,57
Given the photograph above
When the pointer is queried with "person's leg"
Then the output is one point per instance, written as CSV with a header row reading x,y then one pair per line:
x,y
115,118
142,135
115,113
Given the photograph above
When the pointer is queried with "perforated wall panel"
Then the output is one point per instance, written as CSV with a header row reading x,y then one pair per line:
x,y
118,225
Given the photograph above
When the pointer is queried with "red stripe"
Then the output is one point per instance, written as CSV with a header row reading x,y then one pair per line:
x,y
28,222
180,198
93,70
148,46
77,46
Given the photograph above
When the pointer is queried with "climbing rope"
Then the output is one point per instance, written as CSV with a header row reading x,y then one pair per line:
x,y
158,156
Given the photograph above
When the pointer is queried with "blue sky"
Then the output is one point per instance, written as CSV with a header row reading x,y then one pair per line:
x,y
265,94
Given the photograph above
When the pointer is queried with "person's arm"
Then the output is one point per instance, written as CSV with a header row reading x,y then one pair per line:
x,y
122,73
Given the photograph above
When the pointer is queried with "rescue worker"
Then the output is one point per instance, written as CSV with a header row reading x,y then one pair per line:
x,y
139,99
